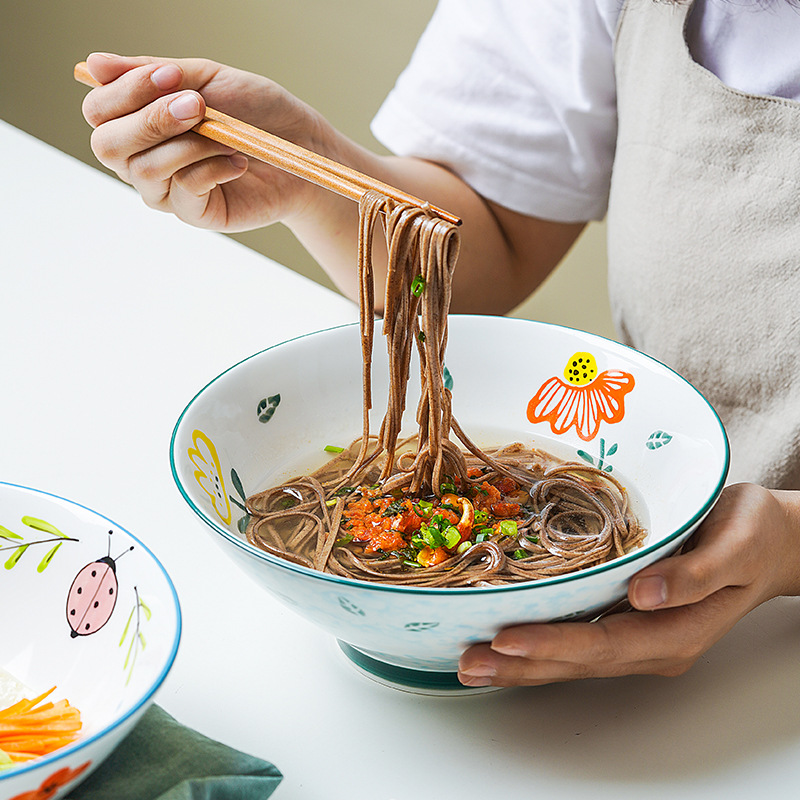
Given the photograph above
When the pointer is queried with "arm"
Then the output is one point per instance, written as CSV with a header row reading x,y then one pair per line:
x,y
745,553
143,115
504,255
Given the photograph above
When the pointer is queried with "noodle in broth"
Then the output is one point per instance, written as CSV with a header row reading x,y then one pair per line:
x,y
423,511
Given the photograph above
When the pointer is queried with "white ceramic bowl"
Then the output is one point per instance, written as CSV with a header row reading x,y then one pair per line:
x,y
107,658
270,416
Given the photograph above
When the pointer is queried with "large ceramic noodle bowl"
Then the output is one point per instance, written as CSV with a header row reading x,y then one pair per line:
x,y
577,396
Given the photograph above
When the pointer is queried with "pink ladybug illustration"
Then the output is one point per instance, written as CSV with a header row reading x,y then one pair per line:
x,y
93,595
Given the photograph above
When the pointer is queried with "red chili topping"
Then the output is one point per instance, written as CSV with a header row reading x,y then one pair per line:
x,y
388,524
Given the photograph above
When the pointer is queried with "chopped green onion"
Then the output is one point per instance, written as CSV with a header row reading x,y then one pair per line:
x,y
424,509
508,527
418,286
481,515
518,554
330,503
421,337
483,535
332,448
348,537
417,541
451,537
432,536
534,539
463,547
447,488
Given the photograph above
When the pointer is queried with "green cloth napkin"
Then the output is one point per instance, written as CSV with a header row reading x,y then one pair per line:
x,y
160,759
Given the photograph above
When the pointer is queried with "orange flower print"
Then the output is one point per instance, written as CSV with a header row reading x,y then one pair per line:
x,y
51,785
584,400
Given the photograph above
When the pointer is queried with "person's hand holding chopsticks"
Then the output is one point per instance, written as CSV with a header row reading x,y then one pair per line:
x,y
143,116
147,112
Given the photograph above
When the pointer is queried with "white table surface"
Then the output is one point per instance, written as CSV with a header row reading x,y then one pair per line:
x,y
112,316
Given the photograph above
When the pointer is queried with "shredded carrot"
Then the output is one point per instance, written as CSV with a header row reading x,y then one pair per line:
x,y
33,728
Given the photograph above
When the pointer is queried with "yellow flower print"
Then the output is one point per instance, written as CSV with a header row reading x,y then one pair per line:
x,y
581,369
584,400
208,474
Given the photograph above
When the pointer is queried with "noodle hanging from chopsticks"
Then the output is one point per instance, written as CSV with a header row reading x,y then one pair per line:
x,y
575,515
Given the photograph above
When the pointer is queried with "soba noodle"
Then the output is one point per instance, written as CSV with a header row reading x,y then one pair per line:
x,y
550,518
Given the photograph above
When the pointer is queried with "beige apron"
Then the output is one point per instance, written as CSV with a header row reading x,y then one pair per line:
x,y
704,237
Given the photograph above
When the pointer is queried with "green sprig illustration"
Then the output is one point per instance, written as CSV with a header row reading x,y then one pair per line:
x,y
137,640
244,520
604,454
19,545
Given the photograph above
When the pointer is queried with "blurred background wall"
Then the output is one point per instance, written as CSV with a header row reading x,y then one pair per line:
x,y
341,56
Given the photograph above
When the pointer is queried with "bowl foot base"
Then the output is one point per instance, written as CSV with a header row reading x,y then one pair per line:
x,y
416,681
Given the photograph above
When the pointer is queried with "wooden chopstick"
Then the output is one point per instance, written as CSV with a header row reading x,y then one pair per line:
x,y
290,157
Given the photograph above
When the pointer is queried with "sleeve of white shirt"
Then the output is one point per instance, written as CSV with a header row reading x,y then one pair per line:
x,y
518,98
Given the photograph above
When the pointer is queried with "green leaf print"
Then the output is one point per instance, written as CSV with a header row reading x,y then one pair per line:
x,y
267,407
658,439
5,533
45,562
237,484
42,525
16,556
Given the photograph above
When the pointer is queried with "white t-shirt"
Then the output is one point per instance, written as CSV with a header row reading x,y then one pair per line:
x,y
519,97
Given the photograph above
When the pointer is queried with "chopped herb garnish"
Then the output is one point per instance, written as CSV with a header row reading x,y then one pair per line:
x,y
439,533
418,286
451,537
508,527
463,547
394,508
518,554
332,448
432,536
481,515
424,508
346,539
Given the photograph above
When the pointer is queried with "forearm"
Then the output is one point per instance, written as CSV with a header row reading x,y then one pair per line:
x,y
788,579
504,256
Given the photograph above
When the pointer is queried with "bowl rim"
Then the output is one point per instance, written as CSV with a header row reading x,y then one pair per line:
x,y
146,697
621,561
